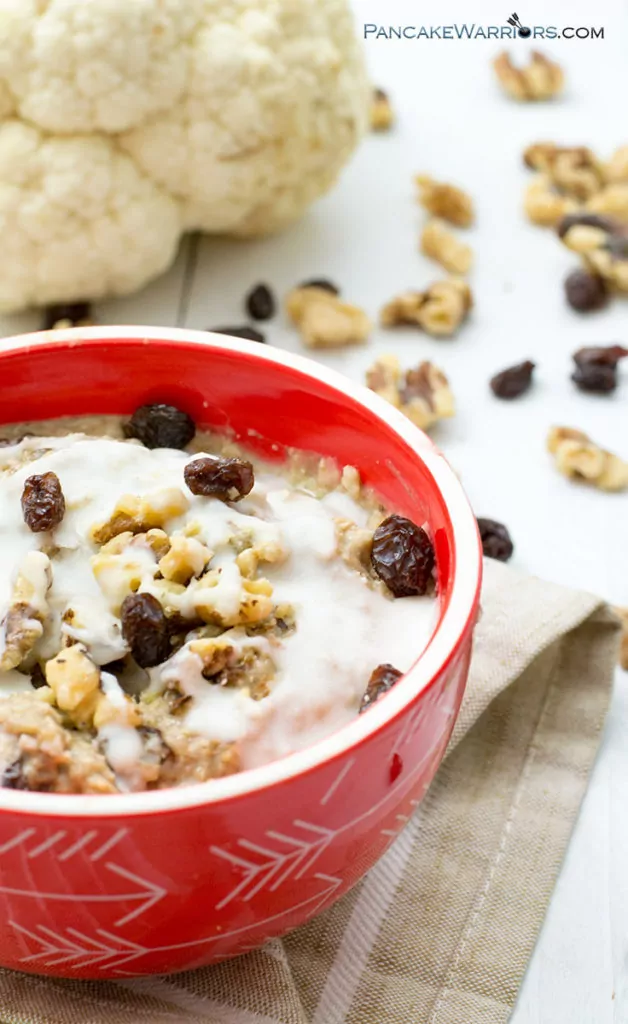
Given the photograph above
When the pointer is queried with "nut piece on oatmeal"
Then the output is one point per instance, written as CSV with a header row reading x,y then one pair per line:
x,y
543,204
441,245
541,79
622,615
382,115
611,200
135,514
578,457
446,201
439,310
324,320
574,170
186,558
23,624
422,394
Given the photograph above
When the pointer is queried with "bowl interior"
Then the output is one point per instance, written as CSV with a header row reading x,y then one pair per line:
x,y
266,405
269,400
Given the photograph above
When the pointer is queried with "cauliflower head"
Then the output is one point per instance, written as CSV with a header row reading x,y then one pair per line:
x,y
124,123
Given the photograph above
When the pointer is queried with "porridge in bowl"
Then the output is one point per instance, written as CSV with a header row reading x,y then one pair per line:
x,y
173,610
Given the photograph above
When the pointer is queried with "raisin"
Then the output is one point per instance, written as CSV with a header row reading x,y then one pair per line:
x,y
496,542
514,381
145,629
260,302
161,426
38,677
75,312
155,750
227,479
402,556
43,504
13,776
246,332
115,668
323,284
589,220
599,379
383,678
584,291
600,355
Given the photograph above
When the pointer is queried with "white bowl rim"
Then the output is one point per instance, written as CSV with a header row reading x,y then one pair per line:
x,y
443,644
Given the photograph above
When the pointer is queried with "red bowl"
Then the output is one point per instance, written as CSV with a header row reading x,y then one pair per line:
x,y
132,884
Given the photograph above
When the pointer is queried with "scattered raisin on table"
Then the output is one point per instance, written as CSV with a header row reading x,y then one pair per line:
x,y
402,556
74,312
43,504
226,479
323,283
600,355
496,542
244,331
383,678
13,776
514,381
585,292
160,426
260,302
145,629
595,378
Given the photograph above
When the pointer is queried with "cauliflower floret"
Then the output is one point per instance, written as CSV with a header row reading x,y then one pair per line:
x,y
135,120
77,218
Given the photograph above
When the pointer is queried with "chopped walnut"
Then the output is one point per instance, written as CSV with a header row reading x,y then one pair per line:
x,y
382,116
616,169
351,483
324,320
23,624
441,245
542,79
354,545
75,682
185,559
573,170
544,205
578,457
603,246
612,201
439,310
446,201
622,615
136,514
422,394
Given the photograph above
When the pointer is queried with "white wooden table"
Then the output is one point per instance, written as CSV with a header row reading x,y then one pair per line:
x,y
453,123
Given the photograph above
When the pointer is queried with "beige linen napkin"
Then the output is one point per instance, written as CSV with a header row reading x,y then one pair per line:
x,y
440,932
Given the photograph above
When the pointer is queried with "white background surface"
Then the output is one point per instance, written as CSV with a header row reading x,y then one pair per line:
x,y
455,124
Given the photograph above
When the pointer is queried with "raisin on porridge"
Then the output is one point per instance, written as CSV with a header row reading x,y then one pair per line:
x,y
173,609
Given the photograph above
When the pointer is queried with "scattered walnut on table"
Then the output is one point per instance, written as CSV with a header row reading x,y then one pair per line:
x,y
574,170
541,79
612,201
616,169
544,205
439,310
578,457
381,115
602,243
422,394
324,321
446,201
441,245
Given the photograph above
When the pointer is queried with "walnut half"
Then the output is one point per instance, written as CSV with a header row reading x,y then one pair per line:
x,y
580,458
541,79
324,320
422,394
439,310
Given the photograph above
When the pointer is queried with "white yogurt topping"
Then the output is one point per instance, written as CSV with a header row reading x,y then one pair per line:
x,y
344,629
